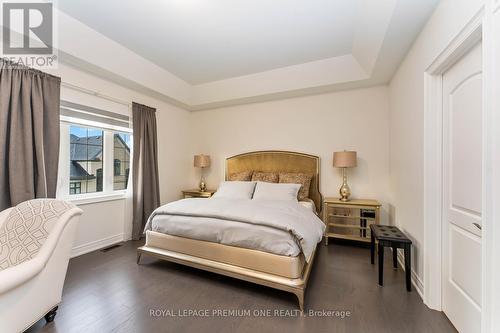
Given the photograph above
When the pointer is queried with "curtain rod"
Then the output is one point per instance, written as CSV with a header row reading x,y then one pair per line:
x,y
95,93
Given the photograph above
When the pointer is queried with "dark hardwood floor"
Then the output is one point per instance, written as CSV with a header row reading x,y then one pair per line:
x,y
108,292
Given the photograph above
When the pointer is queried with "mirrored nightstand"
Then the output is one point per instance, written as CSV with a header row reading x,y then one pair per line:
x,y
197,193
350,220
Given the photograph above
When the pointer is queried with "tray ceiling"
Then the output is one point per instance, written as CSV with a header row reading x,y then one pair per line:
x,y
234,50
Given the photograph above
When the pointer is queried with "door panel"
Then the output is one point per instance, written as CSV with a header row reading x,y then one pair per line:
x,y
466,136
462,191
465,269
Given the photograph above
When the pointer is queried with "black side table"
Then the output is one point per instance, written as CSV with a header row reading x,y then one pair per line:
x,y
391,237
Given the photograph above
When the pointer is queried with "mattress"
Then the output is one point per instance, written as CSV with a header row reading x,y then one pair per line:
x,y
285,266
232,233
278,227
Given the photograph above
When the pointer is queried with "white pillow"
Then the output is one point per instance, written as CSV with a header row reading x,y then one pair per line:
x,y
235,190
276,191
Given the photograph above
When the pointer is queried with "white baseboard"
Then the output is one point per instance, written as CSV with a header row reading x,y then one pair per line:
x,y
416,281
96,245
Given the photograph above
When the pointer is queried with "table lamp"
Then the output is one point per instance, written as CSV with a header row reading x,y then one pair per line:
x,y
344,159
202,161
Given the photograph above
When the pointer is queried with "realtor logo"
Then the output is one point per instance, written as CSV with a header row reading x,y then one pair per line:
x,y
28,29
34,21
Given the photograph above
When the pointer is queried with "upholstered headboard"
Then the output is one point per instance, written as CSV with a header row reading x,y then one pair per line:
x,y
279,161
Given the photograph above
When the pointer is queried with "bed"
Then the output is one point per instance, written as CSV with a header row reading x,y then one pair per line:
x,y
275,262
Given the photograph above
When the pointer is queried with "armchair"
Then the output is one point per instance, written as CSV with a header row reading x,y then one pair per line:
x,y
36,238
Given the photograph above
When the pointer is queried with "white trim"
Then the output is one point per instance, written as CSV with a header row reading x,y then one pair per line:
x,y
86,199
416,281
491,173
467,38
96,245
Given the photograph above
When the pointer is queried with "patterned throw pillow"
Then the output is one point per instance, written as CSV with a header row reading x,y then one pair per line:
x,y
268,177
297,178
244,176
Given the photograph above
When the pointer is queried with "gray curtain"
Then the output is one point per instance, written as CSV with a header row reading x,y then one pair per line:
x,y
146,187
29,134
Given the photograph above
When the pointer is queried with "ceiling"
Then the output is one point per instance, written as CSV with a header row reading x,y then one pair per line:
x,y
202,40
239,49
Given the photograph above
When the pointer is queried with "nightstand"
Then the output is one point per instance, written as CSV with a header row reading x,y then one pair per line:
x,y
197,193
351,219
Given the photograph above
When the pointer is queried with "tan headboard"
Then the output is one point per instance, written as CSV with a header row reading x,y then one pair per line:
x,y
279,161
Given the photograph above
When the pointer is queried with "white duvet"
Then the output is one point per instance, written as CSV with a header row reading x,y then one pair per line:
x,y
280,227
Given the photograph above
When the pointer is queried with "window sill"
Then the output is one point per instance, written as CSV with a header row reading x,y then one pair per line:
x,y
90,199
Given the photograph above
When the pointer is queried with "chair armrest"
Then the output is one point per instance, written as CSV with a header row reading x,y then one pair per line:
x,y
15,276
3,216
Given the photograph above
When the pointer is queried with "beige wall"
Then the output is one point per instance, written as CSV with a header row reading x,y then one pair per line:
x,y
109,222
320,124
406,122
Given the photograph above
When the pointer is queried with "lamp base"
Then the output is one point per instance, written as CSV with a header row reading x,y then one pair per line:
x,y
344,191
203,186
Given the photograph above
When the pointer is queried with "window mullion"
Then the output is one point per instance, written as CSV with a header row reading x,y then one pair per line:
x,y
108,161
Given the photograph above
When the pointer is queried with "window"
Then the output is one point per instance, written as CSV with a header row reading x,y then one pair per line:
x,y
86,159
95,154
75,188
118,167
121,153
87,155
87,167
87,162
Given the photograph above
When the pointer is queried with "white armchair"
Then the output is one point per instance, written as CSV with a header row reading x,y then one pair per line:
x,y
36,238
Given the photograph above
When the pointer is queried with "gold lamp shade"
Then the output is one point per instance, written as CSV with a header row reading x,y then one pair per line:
x,y
345,159
201,161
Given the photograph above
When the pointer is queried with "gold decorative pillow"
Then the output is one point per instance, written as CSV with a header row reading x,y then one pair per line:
x,y
268,177
244,176
297,178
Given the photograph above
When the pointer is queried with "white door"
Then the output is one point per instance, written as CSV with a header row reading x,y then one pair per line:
x,y
462,189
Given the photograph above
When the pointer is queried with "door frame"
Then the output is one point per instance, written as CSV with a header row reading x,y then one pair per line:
x,y
463,42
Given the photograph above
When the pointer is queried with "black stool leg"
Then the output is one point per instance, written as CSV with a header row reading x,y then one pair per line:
x,y
380,264
372,249
407,250
395,257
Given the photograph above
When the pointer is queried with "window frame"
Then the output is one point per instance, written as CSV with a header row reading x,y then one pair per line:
x,y
108,193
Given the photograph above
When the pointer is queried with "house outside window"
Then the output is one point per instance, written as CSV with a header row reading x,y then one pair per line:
x,y
121,156
86,158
